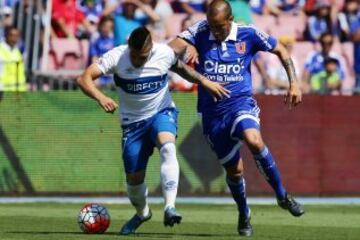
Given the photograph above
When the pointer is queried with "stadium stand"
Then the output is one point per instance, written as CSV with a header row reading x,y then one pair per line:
x,y
66,57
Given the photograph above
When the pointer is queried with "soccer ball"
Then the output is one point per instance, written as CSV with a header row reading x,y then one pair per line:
x,y
93,218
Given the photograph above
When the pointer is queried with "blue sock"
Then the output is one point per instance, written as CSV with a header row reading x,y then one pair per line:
x,y
239,194
266,165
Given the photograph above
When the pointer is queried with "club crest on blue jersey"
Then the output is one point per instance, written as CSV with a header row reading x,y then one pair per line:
x,y
240,47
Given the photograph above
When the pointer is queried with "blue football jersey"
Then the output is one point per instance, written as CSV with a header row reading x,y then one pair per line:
x,y
226,62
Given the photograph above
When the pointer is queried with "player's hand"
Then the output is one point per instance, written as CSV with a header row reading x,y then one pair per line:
x,y
108,104
293,96
216,90
191,55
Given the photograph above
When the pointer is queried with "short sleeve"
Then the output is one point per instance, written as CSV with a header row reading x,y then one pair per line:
x,y
109,61
309,62
170,55
341,67
93,49
263,41
355,26
190,34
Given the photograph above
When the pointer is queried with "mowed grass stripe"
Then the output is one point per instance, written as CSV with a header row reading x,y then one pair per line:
x,y
58,221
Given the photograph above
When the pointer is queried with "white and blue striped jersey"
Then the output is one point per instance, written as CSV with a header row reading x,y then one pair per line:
x,y
143,91
226,62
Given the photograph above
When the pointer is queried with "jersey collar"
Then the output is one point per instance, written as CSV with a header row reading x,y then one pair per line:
x,y
7,46
232,35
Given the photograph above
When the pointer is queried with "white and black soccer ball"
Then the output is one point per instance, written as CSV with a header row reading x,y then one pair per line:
x,y
93,218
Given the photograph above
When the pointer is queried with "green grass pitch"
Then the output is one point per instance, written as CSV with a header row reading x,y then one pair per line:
x,y
58,221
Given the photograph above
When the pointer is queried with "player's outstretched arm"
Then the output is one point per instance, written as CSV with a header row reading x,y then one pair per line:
x,y
293,96
216,90
87,85
180,46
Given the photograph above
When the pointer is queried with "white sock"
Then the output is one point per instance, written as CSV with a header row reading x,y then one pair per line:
x,y
138,198
169,173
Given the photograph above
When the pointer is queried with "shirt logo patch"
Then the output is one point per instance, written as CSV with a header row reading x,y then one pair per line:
x,y
240,47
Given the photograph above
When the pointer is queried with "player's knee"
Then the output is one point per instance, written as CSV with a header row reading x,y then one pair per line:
x,y
234,173
135,178
254,141
235,177
168,152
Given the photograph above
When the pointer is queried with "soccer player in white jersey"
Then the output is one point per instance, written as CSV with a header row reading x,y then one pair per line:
x,y
148,115
225,50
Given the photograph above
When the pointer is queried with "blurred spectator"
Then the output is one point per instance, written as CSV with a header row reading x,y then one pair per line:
x,y
105,42
9,3
178,83
68,21
12,73
346,17
278,80
355,31
93,11
320,23
241,11
259,63
259,7
91,8
290,6
309,7
36,13
6,19
327,81
315,61
124,24
159,24
190,6
111,7
279,7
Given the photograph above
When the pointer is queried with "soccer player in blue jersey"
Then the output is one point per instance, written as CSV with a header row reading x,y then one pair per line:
x,y
148,115
225,50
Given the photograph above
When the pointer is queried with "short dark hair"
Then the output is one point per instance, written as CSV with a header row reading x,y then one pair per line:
x,y
105,19
330,60
8,29
219,6
138,38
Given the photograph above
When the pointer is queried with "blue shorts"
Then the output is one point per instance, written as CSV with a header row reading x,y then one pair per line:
x,y
139,138
225,133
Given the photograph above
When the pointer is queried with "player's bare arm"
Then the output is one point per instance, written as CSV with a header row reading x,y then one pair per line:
x,y
216,90
293,96
87,85
180,46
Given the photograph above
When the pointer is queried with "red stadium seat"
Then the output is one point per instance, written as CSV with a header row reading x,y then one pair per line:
x,y
289,25
50,64
264,23
301,51
84,49
69,54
